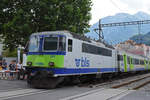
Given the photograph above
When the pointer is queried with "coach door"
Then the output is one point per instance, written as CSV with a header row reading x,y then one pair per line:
x,y
120,63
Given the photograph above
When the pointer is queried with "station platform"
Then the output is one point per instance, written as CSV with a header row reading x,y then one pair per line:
x,y
112,94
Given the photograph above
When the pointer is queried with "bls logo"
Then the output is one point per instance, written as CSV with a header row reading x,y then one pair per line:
x,y
83,62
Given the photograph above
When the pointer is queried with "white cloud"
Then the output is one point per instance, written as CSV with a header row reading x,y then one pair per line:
x,y
137,4
134,4
102,8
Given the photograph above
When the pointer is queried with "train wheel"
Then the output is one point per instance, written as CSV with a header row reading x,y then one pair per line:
x,y
53,82
42,80
46,82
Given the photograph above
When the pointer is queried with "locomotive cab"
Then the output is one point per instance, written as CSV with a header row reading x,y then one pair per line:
x,y
46,51
44,58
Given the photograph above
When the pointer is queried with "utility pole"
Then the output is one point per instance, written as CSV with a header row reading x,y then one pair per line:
x,y
100,32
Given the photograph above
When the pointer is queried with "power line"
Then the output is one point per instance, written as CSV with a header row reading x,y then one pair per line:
x,y
126,23
119,8
139,25
115,5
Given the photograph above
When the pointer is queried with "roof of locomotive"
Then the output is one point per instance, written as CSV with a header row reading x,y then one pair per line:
x,y
73,35
66,33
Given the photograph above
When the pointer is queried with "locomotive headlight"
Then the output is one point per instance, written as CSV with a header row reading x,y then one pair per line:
x,y
51,64
29,63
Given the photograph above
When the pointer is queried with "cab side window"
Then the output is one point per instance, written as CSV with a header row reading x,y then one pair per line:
x,y
62,43
69,45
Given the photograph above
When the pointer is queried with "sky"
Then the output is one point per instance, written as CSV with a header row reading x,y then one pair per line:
x,y
103,8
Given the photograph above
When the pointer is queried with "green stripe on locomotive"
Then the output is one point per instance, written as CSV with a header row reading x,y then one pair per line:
x,y
145,64
44,60
125,62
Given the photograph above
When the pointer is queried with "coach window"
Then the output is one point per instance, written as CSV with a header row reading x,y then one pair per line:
x,y
120,58
137,61
69,45
131,60
142,62
128,59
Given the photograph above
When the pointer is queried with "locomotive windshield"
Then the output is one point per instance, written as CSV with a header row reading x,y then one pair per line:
x,y
50,43
34,44
47,44
54,43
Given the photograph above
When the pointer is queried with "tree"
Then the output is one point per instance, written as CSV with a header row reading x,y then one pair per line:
x,y
20,18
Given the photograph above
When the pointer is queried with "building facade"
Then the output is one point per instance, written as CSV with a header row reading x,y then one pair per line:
x,y
131,47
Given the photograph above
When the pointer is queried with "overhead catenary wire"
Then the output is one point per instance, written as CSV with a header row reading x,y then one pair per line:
x,y
100,31
139,25
122,24
112,2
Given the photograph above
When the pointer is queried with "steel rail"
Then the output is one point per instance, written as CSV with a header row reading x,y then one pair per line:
x,y
141,85
129,82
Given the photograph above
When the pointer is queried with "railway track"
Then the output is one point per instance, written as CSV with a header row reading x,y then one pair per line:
x,y
129,82
145,79
119,83
141,85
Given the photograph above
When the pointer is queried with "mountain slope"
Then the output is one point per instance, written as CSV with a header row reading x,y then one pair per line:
x,y
142,38
120,33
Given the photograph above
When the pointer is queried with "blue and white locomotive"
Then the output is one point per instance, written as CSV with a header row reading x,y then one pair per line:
x,y
57,56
